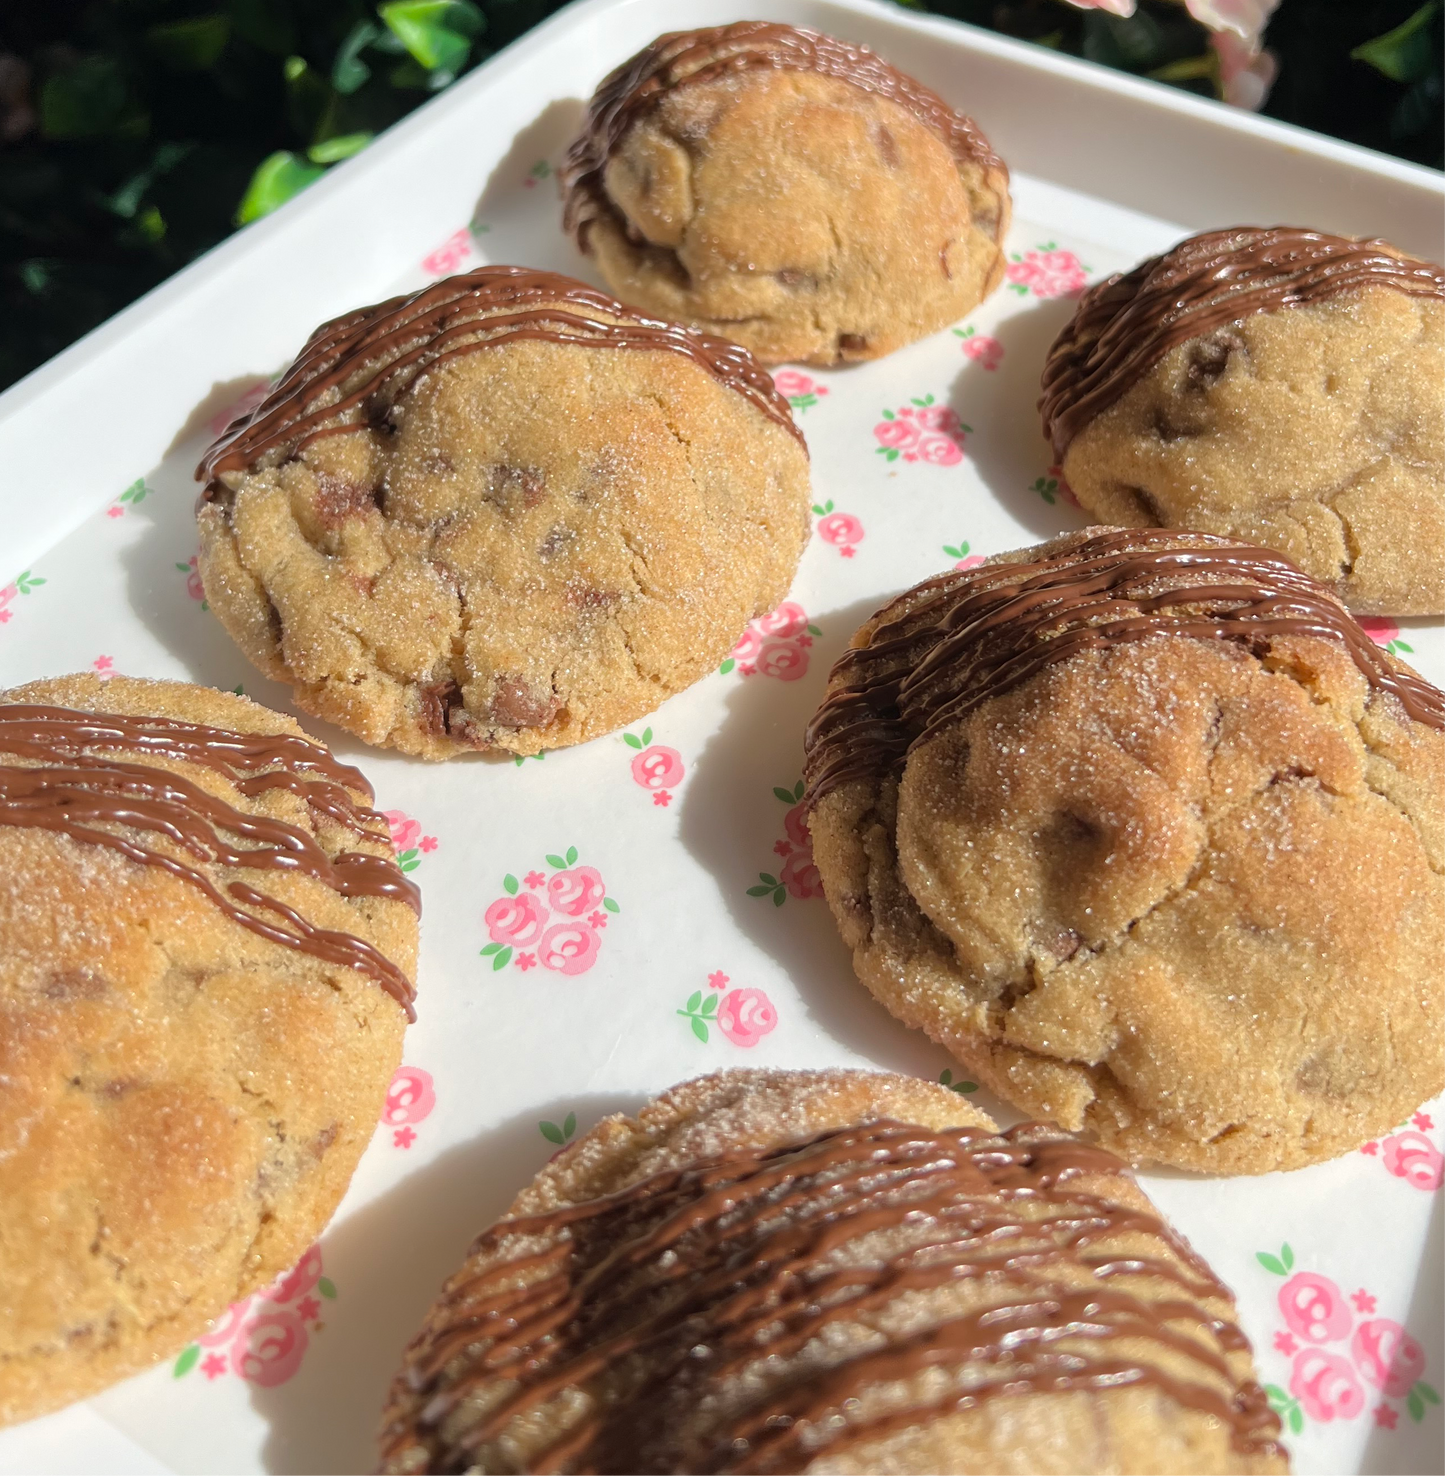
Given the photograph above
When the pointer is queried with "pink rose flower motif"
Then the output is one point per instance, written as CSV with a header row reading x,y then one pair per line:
x,y
658,768
1387,1356
526,961
428,844
299,1280
308,1309
794,386
517,921
842,530
115,510
270,1347
986,351
940,418
795,827
403,1137
662,798
449,255
1371,1148
789,619
1386,1416
569,948
939,451
535,879
1411,1156
800,876
105,665
405,832
194,587
785,660
1284,1342
7,594
1325,1384
576,891
227,1325
1048,272
410,1097
745,1016
1313,1308
1363,1301
750,642
1380,629
213,1365
1423,1121
597,919
971,562
717,980
899,434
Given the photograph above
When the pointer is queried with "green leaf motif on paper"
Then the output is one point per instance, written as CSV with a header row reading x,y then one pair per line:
x,y
700,1012
559,1135
962,1087
1280,1265
187,1361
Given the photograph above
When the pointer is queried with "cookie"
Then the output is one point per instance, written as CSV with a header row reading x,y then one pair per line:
x,y
1148,832
786,189
206,955
1280,386
502,513
829,1271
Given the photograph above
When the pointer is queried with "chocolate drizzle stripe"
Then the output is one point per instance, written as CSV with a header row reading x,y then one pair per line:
x,y
687,58
1127,323
704,1271
404,338
69,788
962,638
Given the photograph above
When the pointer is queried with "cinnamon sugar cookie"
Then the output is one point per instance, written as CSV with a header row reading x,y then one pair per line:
x,y
829,1271
206,953
502,513
788,190
1278,386
1146,830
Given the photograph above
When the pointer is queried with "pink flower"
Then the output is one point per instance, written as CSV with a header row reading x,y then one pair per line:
x,y
1313,1307
226,1325
103,664
988,351
1246,70
840,529
1326,1385
534,879
525,961
939,418
971,562
1386,1415
449,255
1380,629
1285,1343
308,1309
1387,1356
747,670
846,553
213,1365
795,826
1363,1301
270,1347
800,876
717,980
428,844
939,451
789,619
748,646
1423,1120
410,1097
782,848
305,1275
597,919
516,920
784,660
404,830
662,797
1370,1148
789,382
1052,273
658,768
896,434
1064,490
115,511
1413,1157
575,892
745,1016
569,948
403,1137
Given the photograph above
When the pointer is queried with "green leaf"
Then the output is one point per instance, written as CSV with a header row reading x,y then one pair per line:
x,y
889,415
1402,646
780,896
1426,1392
610,905
727,666
436,32
1269,1262
1286,1255
951,551
83,101
510,883
502,959
348,71
490,948
278,178
190,45
570,1125
693,1001
699,1029
709,1006
647,735
343,146
27,581
408,860
630,741
327,1288
556,861
1404,54
798,790
770,879
1278,1399
1415,1405
571,855
966,1087
786,795
552,1132
1296,1419
184,568
814,630
187,1361
759,891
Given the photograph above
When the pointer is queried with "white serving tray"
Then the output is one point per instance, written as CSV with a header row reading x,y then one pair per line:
x,y
95,509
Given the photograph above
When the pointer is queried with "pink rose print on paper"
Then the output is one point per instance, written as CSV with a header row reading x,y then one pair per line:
x,y
244,405
561,916
409,1100
1313,1308
775,645
264,1338
1387,1356
799,876
407,840
1325,1384
1046,272
105,665
922,431
26,583
1384,632
449,255
984,351
959,552
801,391
841,530
1411,1156
194,587
655,768
540,170
743,1015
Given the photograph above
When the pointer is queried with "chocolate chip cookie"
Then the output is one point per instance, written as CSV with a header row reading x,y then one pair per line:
x,y
502,513
788,190
1145,829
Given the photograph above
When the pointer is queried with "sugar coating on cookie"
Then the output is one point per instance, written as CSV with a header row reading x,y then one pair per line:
x,y
206,955
829,1271
1145,829
502,513
786,189
1280,386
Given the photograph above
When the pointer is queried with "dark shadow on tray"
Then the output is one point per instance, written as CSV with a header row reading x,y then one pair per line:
x,y
391,1258
1008,449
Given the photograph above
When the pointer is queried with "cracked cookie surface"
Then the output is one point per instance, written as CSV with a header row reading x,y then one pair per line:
x,y
839,1271
184,1096
1280,387
504,513
788,190
1181,886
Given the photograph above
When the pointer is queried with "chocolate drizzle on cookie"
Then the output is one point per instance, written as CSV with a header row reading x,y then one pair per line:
x,y
656,1301
686,58
1126,324
356,367
71,782
955,641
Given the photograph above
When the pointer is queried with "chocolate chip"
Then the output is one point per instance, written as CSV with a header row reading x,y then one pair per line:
x,y
852,343
887,146
514,487
1209,357
438,703
516,705
337,500
556,540
324,1139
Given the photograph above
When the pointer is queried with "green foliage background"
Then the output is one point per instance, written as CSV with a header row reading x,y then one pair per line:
x,y
136,134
